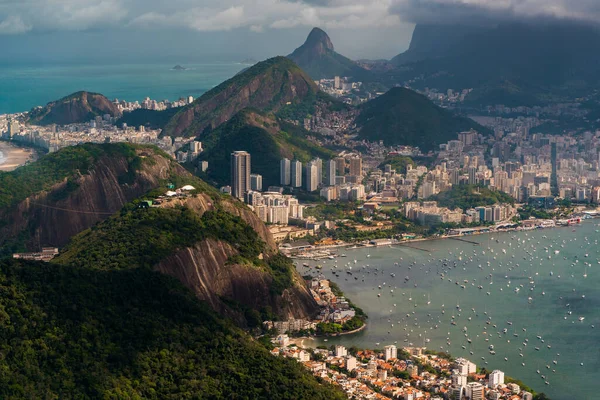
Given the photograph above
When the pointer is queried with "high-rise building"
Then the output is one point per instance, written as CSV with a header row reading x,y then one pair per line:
x,y
554,177
296,173
351,364
455,177
319,163
456,392
285,172
475,391
391,351
340,351
311,182
240,174
337,82
356,166
330,167
472,175
496,378
256,182
195,146
340,165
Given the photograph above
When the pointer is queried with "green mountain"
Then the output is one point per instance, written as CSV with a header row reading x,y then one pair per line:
x,y
76,108
272,86
46,202
404,117
519,63
318,58
73,332
268,140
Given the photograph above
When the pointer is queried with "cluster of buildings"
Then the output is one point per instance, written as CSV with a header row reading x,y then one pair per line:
x,y
392,374
47,254
344,89
428,213
334,309
101,129
336,179
149,104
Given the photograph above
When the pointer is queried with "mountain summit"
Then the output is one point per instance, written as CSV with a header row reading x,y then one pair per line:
x,y
269,86
318,58
319,41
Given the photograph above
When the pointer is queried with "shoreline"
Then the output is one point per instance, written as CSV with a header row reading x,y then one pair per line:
x,y
14,156
358,245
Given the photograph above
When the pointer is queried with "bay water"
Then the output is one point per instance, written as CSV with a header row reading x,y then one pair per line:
x,y
26,86
534,296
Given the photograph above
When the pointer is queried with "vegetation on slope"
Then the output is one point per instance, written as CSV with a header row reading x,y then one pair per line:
x,y
71,332
470,196
141,237
404,117
398,163
267,141
268,86
53,168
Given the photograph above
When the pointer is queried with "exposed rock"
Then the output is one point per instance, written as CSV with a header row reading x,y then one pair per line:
x,y
204,269
76,108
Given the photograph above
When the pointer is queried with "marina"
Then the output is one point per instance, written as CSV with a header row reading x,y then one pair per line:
x,y
520,301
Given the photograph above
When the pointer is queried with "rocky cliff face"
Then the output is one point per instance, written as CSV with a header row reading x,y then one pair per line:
x,y
269,86
76,108
51,218
204,269
318,58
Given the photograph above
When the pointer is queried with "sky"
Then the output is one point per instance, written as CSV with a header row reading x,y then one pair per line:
x,y
196,30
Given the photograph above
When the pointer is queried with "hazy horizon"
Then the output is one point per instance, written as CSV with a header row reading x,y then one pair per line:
x,y
113,31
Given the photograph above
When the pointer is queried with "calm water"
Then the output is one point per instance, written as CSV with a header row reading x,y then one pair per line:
x,y
22,88
559,292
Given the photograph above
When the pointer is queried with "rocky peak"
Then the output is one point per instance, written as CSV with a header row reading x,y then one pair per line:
x,y
318,41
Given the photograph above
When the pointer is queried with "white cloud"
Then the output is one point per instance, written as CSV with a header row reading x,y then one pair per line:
x,y
13,25
19,16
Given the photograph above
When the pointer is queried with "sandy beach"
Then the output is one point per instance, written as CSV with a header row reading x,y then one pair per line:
x,y
13,157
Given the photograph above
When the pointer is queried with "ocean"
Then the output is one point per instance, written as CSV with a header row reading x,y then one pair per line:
x,y
538,284
24,87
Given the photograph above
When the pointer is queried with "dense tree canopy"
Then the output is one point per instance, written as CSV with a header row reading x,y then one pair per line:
x,y
69,332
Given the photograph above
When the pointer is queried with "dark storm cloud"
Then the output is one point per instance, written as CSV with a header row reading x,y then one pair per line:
x,y
482,11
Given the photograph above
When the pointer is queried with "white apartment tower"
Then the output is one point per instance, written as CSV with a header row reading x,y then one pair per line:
x,y
391,351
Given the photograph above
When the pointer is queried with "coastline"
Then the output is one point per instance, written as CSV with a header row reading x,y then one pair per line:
x,y
491,231
14,156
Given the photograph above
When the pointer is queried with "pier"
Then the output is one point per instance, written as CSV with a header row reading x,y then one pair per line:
x,y
413,247
464,240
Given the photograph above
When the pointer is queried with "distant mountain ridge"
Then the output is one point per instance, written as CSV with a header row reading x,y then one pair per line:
x,y
505,62
404,117
78,107
270,86
318,58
